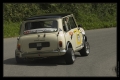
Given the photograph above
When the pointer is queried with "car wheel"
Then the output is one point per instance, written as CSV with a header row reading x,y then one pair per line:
x,y
18,60
85,50
70,56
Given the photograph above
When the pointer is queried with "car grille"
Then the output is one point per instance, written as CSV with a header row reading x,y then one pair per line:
x,y
34,45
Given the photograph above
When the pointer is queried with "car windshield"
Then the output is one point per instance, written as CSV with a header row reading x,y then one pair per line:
x,y
41,24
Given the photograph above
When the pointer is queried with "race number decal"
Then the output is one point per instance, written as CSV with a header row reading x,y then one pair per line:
x,y
79,39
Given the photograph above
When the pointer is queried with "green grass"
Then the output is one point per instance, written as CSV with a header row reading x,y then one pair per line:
x,y
11,29
92,21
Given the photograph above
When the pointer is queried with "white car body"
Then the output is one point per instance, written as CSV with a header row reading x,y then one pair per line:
x,y
49,41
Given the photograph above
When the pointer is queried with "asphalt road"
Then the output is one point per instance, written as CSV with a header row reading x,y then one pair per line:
x,y
101,61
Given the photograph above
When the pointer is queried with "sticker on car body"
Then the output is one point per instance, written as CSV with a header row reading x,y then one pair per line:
x,y
78,39
39,30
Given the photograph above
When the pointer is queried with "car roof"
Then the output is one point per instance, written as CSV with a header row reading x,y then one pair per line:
x,y
48,16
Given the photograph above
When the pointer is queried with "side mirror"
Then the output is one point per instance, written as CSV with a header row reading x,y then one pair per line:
x,y
79,25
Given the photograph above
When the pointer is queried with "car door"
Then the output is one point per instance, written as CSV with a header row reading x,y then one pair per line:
x,y
73,35
77,33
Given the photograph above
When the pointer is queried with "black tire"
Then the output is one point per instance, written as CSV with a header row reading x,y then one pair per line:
x,y
70,56
85,50
18,60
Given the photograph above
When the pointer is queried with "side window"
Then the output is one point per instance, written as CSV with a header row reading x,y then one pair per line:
x,y
72,22
69,23
66,24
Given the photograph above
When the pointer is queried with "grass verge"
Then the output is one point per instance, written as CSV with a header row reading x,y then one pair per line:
x,y
11,29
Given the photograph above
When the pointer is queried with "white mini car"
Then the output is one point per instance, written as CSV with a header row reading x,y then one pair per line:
x,y
49,36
